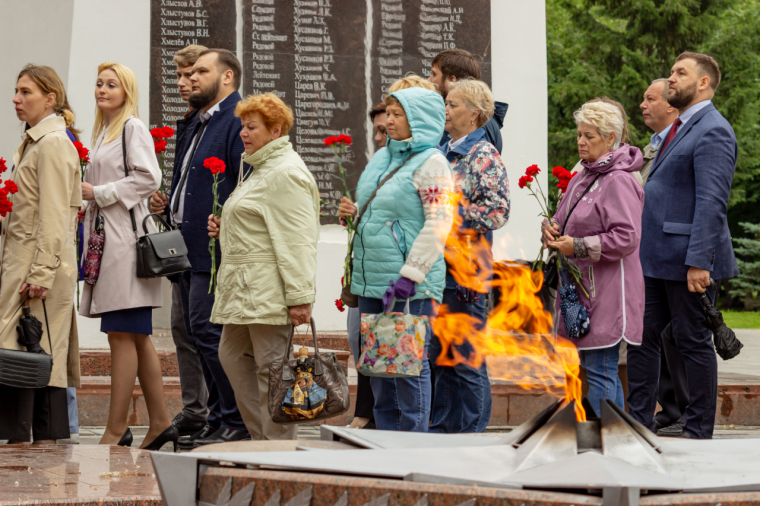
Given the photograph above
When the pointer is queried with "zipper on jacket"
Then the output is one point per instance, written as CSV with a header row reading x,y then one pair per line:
x,y
250,298
399,240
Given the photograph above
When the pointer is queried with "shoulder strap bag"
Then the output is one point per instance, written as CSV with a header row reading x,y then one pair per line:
x,y
348,298
27,369
160,254
551,274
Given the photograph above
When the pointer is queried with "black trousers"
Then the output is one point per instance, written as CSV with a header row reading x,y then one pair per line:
x,y
673,394
41,412
197,304
671,302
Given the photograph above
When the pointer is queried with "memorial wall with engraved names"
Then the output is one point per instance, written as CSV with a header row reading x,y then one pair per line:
x,y
175,24
329,60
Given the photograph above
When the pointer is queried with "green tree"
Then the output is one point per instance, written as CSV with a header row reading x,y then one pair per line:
x,y
746,285
617,47
736,46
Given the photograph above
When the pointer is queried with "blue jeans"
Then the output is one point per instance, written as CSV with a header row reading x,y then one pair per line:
x,y
602,376
402,403
462,394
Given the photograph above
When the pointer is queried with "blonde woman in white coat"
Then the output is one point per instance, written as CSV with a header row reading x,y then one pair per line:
x,y
122,301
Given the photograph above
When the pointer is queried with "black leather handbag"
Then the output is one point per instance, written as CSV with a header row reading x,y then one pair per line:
x,y
26,369
160,254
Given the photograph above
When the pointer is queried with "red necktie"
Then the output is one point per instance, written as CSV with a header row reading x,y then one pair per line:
x,y
671,134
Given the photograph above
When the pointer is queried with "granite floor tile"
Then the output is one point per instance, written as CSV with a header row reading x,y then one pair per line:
x,y
76,474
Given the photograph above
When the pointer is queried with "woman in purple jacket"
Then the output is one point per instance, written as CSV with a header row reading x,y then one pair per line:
x,y
602,237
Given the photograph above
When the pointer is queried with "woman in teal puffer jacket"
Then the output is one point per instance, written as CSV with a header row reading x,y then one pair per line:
x,y
400,239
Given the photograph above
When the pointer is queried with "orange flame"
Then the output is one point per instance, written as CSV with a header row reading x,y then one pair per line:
x,y
517,340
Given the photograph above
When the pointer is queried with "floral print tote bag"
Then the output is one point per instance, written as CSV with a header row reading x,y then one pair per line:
x,y
393,344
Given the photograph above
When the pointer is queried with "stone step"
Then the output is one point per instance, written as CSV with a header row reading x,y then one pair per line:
x,y
98,362
738,401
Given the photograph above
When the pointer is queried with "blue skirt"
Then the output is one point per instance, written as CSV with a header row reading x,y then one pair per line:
x,y
136,320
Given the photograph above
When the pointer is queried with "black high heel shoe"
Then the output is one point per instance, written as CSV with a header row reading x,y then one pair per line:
x,y
171,434
126,439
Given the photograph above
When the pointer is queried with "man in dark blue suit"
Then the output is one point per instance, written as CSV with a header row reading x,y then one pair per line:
x,y
685,241
215,80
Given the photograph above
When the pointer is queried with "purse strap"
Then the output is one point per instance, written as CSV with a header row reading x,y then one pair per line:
x,y
126,171
567,218
372,196
287,374
47,325
385,180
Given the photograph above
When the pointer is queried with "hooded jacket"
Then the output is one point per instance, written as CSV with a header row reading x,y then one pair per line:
x,y
386,246
607,226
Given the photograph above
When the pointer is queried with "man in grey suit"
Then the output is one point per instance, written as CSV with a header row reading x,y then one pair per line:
x,y
685,241
673,391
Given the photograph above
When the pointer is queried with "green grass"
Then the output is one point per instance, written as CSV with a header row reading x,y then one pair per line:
x,y
742,319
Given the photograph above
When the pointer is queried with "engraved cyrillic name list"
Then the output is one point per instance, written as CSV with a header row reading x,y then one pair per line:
x,y
407,35
297,50
264,73
391,44
176,24
437,28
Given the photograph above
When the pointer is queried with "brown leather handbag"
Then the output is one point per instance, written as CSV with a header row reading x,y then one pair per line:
x,y
308,388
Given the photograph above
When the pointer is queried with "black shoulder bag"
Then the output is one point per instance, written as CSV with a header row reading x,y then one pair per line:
x,y
30,368
160,254
551,273
348,298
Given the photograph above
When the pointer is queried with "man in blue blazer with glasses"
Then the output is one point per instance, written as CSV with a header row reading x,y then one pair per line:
x,y
685,241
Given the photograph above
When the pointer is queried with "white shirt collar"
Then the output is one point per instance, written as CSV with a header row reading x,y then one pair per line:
x,y
54,115
694,109
206,115
453,144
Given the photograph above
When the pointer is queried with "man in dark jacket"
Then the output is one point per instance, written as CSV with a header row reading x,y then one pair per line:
x,y
684,242
215,80
453,64
193,416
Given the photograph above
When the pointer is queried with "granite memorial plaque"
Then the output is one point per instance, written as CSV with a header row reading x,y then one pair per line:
x,y
175,24
332,60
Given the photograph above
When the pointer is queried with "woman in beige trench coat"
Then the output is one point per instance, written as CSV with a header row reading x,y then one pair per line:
x,y
123,302
39,255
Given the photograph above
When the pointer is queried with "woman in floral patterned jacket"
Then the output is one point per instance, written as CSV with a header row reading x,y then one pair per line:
x,y
462,394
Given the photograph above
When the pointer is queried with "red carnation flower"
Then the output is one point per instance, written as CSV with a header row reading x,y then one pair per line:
x,y
524,181
160,145
167,132
345,139
3,167
6,206
532,170
156,133
339,304
215,165
83,153
10,186
559,172
330,140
